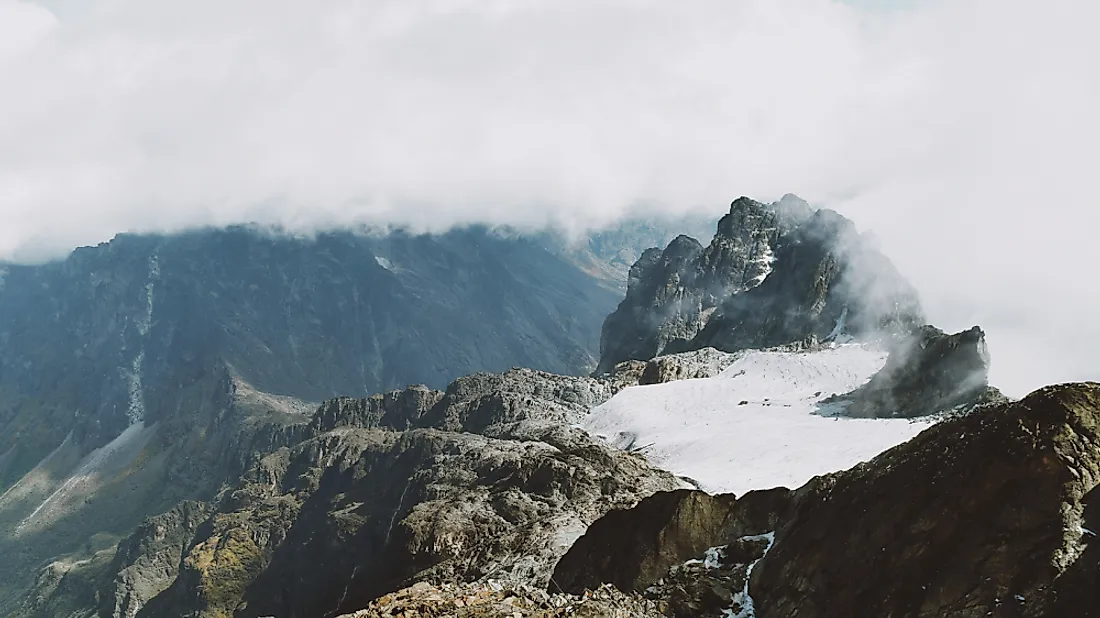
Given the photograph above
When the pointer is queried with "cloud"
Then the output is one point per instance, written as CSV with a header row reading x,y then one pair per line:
x,y
962,132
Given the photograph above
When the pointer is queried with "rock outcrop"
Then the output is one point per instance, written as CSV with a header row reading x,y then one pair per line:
x,y
926,373
493,599
773,275
635,548
980,515
485,480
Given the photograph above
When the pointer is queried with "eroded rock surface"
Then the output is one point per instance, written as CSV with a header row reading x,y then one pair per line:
x,y
492,599
634,548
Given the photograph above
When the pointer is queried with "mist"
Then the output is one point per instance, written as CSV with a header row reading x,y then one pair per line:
x,y
963,133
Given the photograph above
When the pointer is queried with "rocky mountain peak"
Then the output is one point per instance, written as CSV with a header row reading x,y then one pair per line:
x,y
774,274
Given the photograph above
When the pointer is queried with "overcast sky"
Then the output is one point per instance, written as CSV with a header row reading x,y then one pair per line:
x,y
963,132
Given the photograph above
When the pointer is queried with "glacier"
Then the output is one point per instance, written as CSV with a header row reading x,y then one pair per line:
x,y
758,424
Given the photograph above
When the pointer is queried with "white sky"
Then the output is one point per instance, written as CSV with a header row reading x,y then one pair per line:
x,y
963,132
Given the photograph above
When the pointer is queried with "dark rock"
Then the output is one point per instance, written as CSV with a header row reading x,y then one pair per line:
x,y
985,514
926,373
773,275
826,282
634,548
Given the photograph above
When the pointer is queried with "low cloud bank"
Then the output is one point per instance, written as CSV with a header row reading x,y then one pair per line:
x,y
962,132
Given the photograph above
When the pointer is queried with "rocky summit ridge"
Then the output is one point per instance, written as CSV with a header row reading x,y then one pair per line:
x,y
774,274
487,498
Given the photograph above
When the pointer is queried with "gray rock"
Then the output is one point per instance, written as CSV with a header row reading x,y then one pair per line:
x,y
926,373
773,275
489,481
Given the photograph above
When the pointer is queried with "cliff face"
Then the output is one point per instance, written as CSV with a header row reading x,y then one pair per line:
x,y
774,274
150,369
106,336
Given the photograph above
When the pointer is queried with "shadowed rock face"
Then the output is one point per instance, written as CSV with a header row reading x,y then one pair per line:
x,y
634,548
927,372
773,275
980,515
110,333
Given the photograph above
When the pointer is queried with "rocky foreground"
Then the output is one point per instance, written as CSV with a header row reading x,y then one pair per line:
x,y
492,599
988,514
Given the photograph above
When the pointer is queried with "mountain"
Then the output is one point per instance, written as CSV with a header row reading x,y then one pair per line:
x,y
487,478
117,363
774,274
94,342
772,430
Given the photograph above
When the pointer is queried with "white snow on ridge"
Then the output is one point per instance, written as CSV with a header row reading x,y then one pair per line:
x,y
701,428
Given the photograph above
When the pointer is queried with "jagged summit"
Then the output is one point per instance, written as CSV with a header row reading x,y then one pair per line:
x,y
774,274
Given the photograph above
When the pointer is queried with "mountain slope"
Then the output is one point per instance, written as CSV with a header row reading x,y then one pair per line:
x,y
122,367
485,479
92,343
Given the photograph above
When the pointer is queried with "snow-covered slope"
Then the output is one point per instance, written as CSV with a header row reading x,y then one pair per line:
x,y
757,424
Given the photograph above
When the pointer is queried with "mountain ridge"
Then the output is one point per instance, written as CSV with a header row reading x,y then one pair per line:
x,y
322,509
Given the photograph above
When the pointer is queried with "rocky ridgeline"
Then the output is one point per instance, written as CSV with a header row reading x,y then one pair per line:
x,y
131,345
774,274
484,499
493,599
487,479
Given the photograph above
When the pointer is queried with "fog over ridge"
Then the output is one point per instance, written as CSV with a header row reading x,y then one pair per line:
x,y
963,132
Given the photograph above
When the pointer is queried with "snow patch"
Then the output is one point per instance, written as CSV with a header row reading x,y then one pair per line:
x,y
754,426
765,261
